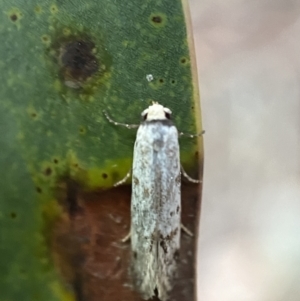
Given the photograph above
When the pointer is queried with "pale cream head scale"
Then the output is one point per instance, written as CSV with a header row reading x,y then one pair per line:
x,y
156,112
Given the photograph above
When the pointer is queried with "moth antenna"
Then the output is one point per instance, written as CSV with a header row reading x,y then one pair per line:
x,y
128,126
186,230
124,179
188,177
191,135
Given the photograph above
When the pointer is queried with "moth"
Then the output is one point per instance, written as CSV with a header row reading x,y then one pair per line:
x,y
155,201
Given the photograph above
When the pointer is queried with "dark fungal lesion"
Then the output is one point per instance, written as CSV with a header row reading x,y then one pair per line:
x,y
156,19
14,17
78,288
13,215
45,39
79,59
78,62
183,60
48,171
71,200
82,130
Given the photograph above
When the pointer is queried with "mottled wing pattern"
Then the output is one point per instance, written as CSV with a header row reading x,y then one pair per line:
x,y
168,165
144,213
155,207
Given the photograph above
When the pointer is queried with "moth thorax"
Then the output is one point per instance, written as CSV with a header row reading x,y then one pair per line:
x,y
156,112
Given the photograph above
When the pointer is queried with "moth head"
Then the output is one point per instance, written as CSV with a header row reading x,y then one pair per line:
x,y
156,112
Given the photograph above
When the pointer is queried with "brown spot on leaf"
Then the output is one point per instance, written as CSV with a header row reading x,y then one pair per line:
x,y
156,19
78,62
72,197
53,9
48,171
14,17
82,130
183,60
38,9
89,243
104,175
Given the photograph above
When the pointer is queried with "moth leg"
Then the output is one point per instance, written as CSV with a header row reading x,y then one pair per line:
x,y
191,135
188,177
126,238
129,126
186,230
123,180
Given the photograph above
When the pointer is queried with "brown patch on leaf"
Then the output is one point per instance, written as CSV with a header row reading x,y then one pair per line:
x,y
48,171
14,17
78,62
87,249
156,19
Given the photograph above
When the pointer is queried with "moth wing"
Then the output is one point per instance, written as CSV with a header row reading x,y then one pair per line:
x,y
170,213
155,208
143,213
